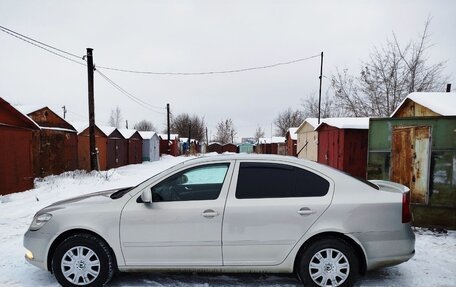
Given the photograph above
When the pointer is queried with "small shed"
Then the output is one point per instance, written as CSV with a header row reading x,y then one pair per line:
x,y
292,141
274,145
245,148
117,149
101,144
307,143
135,144
215,147
342,144
151,146
170,147
416,146
229,147
55,149
16,137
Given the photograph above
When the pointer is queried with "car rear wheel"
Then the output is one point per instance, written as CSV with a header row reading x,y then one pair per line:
x,y
328,262
83,260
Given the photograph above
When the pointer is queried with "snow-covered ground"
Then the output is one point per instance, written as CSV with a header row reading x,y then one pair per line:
x,y
433,265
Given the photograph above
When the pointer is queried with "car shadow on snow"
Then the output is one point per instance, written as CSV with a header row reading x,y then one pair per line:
x,y
204,279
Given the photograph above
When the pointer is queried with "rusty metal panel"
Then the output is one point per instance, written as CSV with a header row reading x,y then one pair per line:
x,y
328,146
215,147
229,148
117,152
57,152
411,160
16,164
45,117
355,152
421,164
135,151
411,109
84,149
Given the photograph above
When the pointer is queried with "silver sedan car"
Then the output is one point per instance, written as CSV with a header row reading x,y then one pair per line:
x,y
228,213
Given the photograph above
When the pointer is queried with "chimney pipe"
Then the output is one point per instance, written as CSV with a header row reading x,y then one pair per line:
x,y
448,88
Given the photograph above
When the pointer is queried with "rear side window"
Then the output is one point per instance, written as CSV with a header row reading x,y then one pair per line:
x,y
270,180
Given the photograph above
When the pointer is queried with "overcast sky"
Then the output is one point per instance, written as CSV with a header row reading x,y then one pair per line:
x,y
199,36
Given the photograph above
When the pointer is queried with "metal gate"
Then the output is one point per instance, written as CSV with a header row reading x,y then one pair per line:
x,y
411,160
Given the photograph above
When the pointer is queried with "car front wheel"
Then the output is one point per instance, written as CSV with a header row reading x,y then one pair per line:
x,y
328,262
83,260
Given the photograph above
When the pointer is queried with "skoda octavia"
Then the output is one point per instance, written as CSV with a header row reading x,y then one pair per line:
x,y
228,213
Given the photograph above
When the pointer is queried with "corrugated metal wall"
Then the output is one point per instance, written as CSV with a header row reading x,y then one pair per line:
x,y
344,149
16,164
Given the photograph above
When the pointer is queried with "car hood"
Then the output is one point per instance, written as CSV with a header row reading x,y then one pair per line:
x,y
94,198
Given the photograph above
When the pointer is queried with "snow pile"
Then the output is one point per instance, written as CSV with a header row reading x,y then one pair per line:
x,y
433,265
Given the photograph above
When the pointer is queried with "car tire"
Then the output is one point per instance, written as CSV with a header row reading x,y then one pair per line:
x,y
83,260
328,262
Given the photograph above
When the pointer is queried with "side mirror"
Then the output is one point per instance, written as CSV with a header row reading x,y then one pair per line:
x,y
146,196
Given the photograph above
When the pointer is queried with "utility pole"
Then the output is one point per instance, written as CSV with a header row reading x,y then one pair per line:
x,y
126,124
319,92
169,128
93,151
64,111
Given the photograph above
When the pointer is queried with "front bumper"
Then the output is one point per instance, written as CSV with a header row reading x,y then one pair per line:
x,y
38,244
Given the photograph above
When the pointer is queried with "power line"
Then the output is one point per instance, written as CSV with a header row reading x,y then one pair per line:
x,y
34,43
6,30
50,49
129,95
210,72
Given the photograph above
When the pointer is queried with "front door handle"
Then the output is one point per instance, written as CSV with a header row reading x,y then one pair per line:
x,y
209,213
304,211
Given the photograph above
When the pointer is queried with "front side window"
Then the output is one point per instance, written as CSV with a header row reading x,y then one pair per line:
x,y
198,183
270,180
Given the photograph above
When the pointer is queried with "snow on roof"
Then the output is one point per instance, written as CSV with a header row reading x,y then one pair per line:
x,y
107,130
57,129
346,123
147,135
440,103
171,136
311,121
127,133
27,109
293,134
271,140
79,126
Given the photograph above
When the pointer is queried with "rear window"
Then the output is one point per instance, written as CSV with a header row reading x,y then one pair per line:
x,y
270,180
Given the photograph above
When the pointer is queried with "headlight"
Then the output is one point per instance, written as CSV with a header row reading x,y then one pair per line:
x,y
40,220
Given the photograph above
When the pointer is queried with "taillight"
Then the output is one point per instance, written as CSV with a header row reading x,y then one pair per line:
x,y
406,214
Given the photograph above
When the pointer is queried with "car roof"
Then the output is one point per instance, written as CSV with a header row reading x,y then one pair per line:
x,y
256,157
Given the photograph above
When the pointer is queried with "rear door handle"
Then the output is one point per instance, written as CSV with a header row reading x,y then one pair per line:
x,y
304,211
209,213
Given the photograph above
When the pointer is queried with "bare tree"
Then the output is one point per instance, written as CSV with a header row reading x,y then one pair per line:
x,y
115,120
259,133
188,126
288,119
144,125
391,73
328,107
225,132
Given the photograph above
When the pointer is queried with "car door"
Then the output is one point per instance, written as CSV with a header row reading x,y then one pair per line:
x,y
182,226
270,206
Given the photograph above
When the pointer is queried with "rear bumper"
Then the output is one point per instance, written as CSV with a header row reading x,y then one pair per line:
x,y
387,248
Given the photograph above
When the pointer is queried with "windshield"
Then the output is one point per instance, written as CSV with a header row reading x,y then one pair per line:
x,y
120,193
